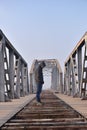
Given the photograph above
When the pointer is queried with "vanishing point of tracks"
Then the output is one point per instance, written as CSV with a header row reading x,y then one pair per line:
x,y
54,114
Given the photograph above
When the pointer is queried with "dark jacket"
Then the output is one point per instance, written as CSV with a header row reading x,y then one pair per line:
x,y
39,75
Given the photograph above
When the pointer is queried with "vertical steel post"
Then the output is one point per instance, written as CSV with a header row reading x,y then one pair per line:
x,y
31,83
2,87
79,54
22,80
68,78
54,78
27,81
11,72
18,79
61,82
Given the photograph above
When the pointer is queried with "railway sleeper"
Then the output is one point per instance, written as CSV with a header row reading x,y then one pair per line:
x,y
47,127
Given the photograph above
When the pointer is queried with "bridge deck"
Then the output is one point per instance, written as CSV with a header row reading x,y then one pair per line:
x,y
8,109
76,103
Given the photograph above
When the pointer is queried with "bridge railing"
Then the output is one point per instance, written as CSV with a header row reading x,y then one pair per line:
x,y
75,74
13,71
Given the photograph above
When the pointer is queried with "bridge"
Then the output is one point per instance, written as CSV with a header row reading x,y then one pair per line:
x,y
17,90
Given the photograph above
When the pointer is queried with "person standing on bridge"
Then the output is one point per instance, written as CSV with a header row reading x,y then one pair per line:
x,y
39,80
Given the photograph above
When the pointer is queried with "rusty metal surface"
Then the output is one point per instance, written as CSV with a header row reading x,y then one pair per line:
x,y
53,114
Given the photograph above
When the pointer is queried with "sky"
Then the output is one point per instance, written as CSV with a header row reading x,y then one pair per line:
x,y
43,29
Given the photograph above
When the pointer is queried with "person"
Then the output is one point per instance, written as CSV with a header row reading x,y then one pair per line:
x,y
39,80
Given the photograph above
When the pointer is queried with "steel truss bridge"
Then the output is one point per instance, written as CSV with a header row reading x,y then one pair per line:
x,y
14,75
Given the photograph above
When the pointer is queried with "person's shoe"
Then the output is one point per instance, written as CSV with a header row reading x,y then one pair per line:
x,y
39,103
42,103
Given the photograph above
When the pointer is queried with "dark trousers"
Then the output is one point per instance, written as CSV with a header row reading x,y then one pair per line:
x,y
39,89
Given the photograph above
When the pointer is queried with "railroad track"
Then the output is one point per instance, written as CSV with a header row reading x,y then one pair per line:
x,y
54,114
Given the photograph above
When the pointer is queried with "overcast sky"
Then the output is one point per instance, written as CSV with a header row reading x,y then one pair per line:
x,y
43,29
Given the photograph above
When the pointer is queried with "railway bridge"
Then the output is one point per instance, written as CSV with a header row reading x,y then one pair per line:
x,y
68,90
